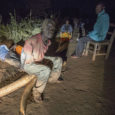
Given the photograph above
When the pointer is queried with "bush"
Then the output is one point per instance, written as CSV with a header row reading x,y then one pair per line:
x,y
18,30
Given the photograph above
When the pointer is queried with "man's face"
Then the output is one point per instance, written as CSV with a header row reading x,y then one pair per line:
x,y
99,8
49,30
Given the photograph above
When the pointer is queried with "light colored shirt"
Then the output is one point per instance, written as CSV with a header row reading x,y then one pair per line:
x,y
35,49
101,27
66,28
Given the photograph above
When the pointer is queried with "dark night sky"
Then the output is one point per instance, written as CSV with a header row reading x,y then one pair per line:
x,y
73,6
82,5
85,6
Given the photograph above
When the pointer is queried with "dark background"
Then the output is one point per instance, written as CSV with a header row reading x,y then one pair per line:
x,y
70,8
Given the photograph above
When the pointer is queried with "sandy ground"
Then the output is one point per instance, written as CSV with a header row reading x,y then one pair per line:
x,y
88,89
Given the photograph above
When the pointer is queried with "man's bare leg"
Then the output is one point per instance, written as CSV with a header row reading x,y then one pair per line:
x,y
38,90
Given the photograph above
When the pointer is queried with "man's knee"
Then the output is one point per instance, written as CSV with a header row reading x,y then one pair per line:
x,y
47,70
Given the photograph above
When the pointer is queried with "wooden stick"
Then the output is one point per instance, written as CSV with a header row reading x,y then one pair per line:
x,y
62,47
27,90
16,85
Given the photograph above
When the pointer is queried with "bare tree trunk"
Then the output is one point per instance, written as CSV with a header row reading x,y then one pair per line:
x,y
27,90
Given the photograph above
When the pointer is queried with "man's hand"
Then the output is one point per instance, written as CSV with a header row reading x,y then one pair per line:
x,y
29,59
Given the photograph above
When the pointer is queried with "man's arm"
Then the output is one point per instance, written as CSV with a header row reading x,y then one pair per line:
x,y
28,50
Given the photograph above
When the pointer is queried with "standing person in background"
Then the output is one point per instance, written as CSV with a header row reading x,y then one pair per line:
x,y
75,37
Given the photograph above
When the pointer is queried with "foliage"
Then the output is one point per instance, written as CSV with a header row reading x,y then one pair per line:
x,y
23,29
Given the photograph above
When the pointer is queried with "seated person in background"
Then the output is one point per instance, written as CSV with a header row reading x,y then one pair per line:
x,y
99,31
66,28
